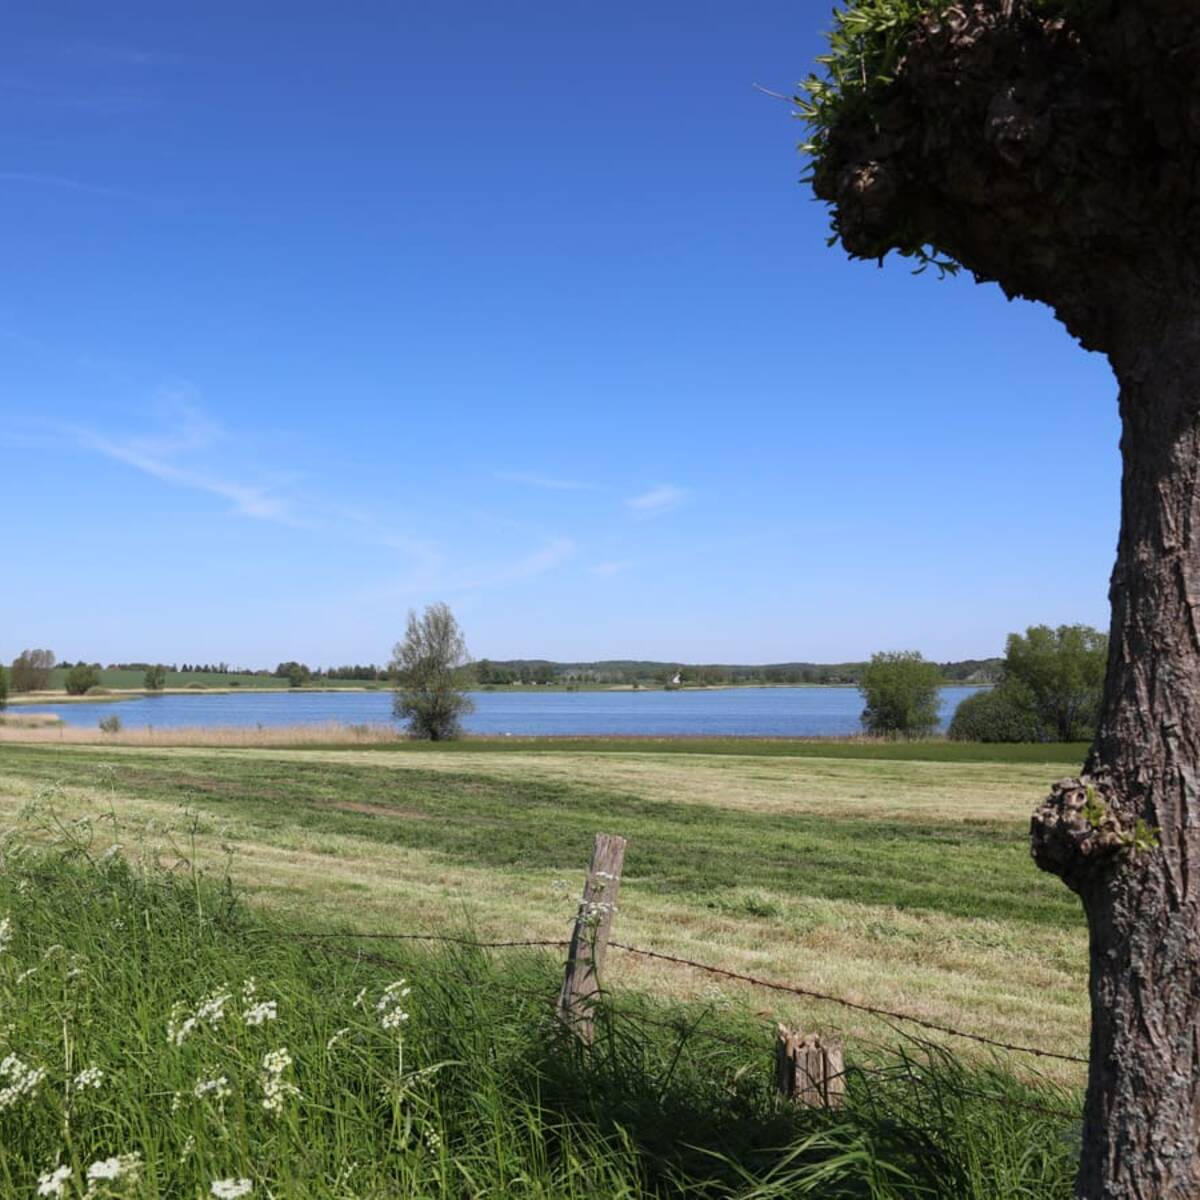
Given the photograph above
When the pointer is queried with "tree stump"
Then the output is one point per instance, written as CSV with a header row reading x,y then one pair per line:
x,y
809,1071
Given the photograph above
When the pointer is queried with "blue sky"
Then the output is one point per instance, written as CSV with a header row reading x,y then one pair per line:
x,y
312,314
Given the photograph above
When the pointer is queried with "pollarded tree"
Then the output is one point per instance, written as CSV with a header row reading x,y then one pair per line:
x,y
430,685
1053,146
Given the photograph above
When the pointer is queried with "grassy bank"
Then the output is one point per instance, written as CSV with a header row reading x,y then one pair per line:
x,y
190,1047
905,884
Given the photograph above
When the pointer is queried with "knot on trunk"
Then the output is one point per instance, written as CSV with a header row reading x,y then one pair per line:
x,y
1076,829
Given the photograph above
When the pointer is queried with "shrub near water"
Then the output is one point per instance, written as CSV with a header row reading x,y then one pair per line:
x,y
160,1040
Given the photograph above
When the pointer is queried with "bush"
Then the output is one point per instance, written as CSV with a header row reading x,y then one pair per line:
x,y
80,678
155,678
3,687
110,724
1000,714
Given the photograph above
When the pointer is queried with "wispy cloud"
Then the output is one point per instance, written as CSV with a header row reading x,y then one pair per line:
x,y
660,499
553,554
532,479
159,455
248,500
605,569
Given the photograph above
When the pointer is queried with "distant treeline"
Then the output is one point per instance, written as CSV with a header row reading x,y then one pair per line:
x,y
533,672
629,671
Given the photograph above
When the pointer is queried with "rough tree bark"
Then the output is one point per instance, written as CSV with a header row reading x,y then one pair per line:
x,y
1055,149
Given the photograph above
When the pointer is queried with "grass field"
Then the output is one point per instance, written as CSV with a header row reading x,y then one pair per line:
x,y
897,882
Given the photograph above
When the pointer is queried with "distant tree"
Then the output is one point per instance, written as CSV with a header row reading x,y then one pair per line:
x,y
430,687
80,678
155,678
3,687
296,673
1062,670
31,670
900,691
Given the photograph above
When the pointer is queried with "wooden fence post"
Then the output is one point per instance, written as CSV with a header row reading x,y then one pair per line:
x,y
809,1071
585,958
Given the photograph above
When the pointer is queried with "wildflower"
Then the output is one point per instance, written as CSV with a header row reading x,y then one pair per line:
x,y
231,1189
188,1148
360,999
249,991
6,932
22,1080
24,975
391,1014
90,1077
274,1089
258,1014
210,1012
120,1166
54,1183
338,1034
112,852
217,1088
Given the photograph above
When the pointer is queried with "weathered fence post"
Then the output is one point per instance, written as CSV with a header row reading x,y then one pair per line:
x,y
808,1071
585,958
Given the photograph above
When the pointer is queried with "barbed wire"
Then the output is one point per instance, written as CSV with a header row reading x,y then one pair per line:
x,y
722,972
813,994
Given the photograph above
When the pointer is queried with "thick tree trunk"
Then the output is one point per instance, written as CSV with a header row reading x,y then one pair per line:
x,y
1126,836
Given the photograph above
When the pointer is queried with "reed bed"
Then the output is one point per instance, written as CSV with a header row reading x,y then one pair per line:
x,y
331,733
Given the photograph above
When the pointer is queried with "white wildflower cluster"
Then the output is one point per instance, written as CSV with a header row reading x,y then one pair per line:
x,y
255,1011
19,1080
337,1036
54,1183
218,1088
120,1169
89,1077
275,1090
6,933
260,1013
210,1012
231,1189
24,975
390,1005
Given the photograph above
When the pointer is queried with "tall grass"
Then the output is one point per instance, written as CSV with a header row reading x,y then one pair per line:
x,y
153,1024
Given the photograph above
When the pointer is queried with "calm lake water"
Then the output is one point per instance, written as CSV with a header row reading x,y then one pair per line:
x,y
772,712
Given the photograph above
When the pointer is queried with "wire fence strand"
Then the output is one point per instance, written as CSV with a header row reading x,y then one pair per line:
x,y
658,955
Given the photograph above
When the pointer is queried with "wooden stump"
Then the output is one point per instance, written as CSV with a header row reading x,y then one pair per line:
x,y
808,1070
589,941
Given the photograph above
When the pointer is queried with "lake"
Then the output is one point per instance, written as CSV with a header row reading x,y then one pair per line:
x,y
767,712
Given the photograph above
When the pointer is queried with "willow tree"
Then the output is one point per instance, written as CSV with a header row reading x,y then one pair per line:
x,y
1053,147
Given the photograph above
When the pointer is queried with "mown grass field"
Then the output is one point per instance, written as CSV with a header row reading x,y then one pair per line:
x,y
895,881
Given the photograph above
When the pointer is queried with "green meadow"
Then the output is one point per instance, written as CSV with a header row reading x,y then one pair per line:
x,y
897,881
